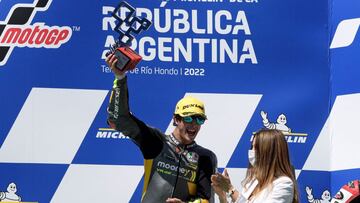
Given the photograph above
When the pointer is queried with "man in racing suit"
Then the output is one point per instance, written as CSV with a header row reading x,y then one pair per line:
x,y
176,168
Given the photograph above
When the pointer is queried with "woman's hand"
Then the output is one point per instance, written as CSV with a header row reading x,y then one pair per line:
x,y
222,180
218,190
221,184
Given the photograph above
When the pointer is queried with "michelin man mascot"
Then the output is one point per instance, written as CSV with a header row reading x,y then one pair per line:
x,y
280,125
10,195
325,197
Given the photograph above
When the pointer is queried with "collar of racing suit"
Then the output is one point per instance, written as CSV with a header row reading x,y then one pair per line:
x,y
178,144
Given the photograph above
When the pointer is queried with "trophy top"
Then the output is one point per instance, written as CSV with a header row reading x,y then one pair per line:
x,y
128,23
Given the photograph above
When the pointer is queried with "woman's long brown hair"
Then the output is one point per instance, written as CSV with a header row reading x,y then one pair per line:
x,y
272,161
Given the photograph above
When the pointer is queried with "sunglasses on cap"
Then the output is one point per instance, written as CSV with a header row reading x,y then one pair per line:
x,y
189,119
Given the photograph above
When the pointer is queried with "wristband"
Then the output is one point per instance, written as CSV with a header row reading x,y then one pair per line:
x,y
120,77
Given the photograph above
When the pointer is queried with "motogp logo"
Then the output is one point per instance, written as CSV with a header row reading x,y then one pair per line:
x,y
16,30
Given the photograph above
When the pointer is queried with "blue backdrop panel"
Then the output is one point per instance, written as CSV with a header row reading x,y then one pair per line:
x,y
278,50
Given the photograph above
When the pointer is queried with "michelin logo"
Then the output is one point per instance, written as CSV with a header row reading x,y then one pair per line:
x,y
345,33
10,195
280,124
108,133
325,197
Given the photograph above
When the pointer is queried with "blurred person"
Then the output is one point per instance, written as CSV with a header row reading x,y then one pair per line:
x,y
348,193
177,169
269,177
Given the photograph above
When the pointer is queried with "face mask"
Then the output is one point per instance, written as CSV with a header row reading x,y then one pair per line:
x,y
251,155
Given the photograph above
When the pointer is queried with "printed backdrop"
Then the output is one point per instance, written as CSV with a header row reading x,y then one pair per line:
x,y
290,65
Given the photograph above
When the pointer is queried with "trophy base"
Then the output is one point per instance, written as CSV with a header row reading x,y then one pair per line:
x,y
127,58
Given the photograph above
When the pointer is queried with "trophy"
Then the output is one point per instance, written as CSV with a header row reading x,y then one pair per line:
x,y
127,58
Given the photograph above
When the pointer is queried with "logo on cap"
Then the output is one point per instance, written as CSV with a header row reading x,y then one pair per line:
x,y
189,106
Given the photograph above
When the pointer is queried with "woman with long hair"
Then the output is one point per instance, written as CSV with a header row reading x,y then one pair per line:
x,y
269,177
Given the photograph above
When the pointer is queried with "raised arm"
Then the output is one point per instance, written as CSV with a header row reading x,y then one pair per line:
x,y
120,118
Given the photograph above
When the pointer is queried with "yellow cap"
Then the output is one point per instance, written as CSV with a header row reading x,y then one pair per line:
x,y
189,106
